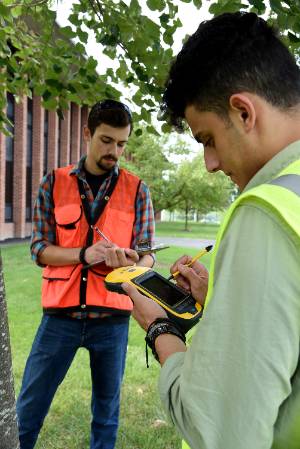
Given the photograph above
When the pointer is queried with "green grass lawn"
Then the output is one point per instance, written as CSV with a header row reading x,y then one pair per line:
x,y
195,230
143,423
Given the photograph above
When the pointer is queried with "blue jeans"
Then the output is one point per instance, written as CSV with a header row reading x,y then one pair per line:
x,y
53,350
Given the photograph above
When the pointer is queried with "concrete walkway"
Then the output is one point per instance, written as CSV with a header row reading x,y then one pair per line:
x,y
182,241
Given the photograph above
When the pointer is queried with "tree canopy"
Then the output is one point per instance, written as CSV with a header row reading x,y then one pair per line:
x,y
184,185
199,191
36,56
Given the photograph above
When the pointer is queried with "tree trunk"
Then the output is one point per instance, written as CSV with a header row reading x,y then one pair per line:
x,y
186,217
8,421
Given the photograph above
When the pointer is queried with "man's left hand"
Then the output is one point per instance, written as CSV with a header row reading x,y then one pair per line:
x,y
145,310
120,257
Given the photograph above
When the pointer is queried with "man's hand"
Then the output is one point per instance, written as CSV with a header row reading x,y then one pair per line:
x,y
97,252
111,254
120,257
193,278
145,310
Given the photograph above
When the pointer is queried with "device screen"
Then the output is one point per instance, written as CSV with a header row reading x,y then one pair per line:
x,y
163,289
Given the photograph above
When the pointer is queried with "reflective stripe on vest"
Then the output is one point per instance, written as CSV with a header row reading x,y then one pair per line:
x,y
282,195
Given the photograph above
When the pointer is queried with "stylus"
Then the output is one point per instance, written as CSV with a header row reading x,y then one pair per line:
x,y
196,257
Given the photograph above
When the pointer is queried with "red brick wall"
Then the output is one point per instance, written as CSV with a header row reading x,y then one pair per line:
x,y
19,228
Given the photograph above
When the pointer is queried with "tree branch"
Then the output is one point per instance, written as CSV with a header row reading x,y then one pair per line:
x,y
30,4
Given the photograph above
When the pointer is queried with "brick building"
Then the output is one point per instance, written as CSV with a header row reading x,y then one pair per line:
x,y
40,142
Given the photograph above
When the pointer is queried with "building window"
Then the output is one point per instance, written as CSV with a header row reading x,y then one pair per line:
x,y
46,120
29,161
9,161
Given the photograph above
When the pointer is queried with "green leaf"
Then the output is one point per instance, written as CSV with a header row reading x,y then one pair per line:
x,y
138,132
152,130
156,5
16,11
293,38
276,6
74,19
166,128
259,5
226,6
57,68
168,38
198,3
46,95
164,18
67,32
54,83
4,11
60,113
83,36
50,104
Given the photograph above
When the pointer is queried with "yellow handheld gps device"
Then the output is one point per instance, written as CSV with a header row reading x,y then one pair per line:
x,y
179,304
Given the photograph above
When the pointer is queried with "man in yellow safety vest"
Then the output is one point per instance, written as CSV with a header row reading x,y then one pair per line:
x,y
237,386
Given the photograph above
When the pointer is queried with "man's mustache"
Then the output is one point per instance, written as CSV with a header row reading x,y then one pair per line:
x,y
109,156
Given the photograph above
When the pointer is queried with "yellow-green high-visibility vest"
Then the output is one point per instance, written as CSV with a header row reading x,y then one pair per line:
x,y
282,195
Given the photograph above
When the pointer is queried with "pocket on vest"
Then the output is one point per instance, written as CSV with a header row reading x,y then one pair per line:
x,y
68,224
67,216
58,273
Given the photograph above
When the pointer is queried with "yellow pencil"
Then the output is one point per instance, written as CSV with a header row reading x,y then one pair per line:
x,y
196,257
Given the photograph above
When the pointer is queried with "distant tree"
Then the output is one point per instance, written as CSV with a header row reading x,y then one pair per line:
x,y
200,191
152,157
36,56
8,425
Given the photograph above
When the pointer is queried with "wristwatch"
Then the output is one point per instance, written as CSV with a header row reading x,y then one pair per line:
x,y
158,327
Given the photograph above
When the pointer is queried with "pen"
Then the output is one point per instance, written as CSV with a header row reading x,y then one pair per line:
x,y
105,238
101,233
197,256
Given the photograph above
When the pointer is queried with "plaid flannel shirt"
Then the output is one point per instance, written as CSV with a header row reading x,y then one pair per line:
x,y
44,227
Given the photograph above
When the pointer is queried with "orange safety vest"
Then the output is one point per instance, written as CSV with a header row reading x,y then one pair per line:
x,y
69,287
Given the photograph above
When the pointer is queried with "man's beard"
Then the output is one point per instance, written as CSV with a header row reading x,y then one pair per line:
x,y
106,166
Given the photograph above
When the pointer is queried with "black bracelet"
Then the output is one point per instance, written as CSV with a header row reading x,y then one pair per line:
x,y
158,327
82,254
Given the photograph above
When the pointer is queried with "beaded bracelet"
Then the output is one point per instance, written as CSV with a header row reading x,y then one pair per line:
x,y
158,327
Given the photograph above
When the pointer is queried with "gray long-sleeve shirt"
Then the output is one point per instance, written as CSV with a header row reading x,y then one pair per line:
x,y
238,385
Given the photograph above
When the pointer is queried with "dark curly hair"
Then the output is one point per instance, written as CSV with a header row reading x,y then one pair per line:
x,y
110,112
231,53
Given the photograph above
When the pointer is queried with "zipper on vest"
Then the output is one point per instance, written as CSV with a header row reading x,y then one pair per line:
x,y
85,273
90,234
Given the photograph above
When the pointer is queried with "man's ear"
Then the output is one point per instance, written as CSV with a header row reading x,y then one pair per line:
x,y
242,107
86,134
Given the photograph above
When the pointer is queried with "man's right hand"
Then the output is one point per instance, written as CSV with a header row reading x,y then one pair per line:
x,y
193,279
97,252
